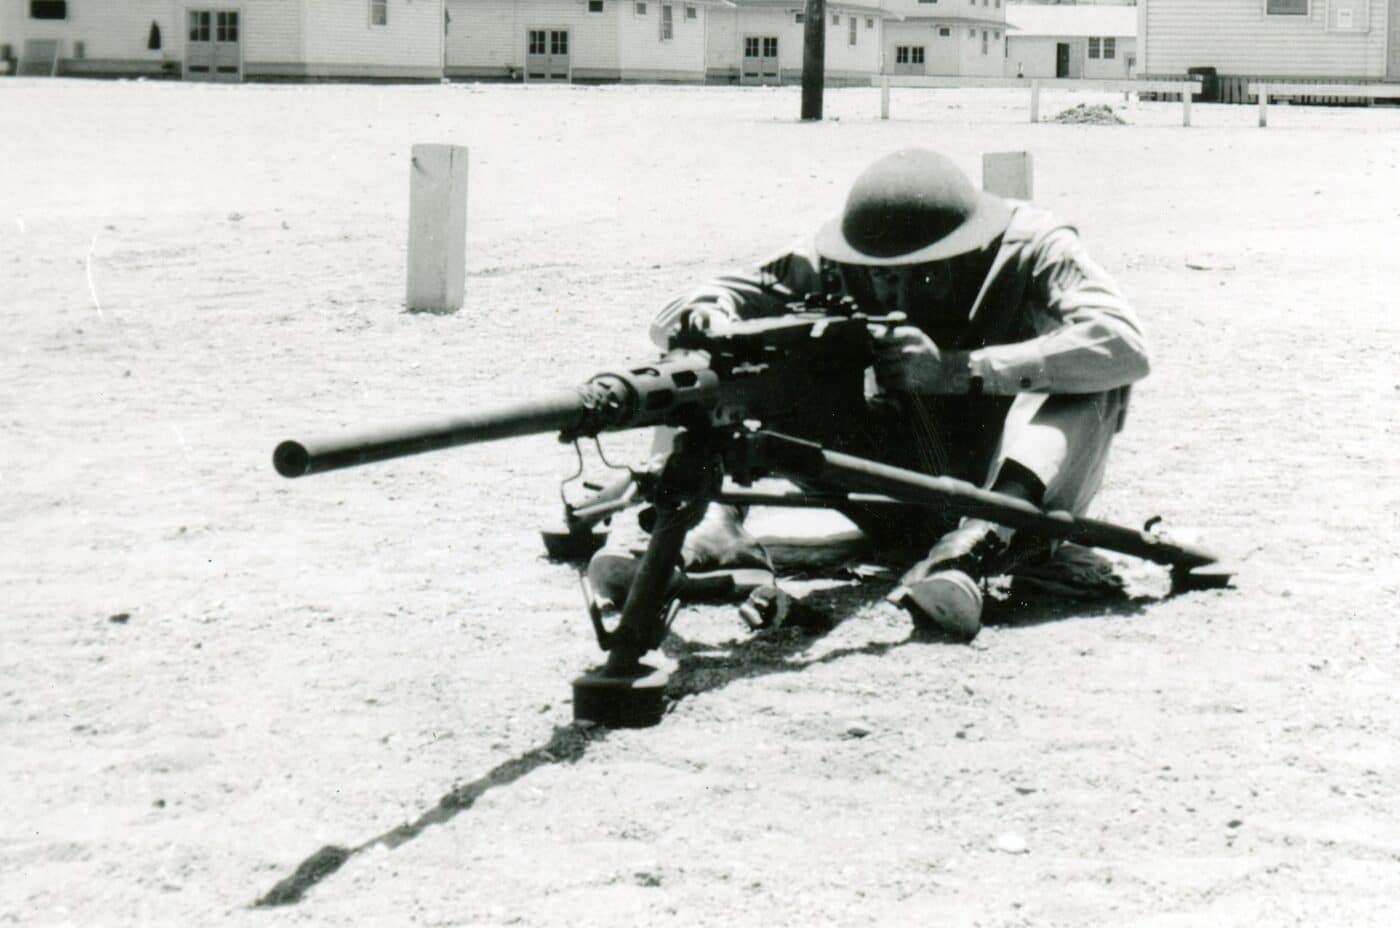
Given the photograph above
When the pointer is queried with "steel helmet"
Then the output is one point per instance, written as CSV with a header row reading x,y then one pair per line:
x,y
912,207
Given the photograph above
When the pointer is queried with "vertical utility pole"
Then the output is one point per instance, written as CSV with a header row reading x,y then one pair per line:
x,y
813,58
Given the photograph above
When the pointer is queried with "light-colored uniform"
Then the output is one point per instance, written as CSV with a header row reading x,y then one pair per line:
x,y
1049,339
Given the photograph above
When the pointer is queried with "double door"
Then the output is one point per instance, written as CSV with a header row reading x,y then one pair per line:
x,y
547,55
214,51
760,62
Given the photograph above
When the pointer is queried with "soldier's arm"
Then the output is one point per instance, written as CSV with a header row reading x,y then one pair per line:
x,y
765,291
1088,338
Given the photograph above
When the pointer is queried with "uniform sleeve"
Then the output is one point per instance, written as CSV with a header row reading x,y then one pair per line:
x,y
1087,338
766,291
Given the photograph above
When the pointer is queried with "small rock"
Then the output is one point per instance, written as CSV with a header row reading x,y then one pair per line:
x,y
1234,823
857,730
235,217
119,618
1009,842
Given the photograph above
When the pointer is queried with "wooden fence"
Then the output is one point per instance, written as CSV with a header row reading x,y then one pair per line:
x,y
1173,87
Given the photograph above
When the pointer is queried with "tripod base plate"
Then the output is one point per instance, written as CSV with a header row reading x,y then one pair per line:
x,y
632,700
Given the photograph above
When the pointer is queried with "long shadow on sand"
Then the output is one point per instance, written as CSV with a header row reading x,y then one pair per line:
x,y
701,668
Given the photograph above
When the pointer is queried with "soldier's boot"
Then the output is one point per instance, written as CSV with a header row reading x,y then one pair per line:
x,y
943,592
719,560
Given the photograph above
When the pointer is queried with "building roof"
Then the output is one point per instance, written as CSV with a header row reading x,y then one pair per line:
x,y
1024,20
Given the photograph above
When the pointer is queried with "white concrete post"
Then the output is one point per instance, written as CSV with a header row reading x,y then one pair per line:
x,y
1263,106
1035,101
1007,174
884,96
437,228
1186,91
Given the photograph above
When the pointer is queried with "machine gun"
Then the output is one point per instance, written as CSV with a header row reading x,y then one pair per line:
x,y
720,389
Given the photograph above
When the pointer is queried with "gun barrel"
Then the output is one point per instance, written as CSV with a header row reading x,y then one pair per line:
x,y
562,412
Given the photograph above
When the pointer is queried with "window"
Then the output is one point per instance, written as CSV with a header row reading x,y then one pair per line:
x,y
798,18
200,23
1108,48
668,30
870,22
984,41
1286,7
972,33
750,46
836,19
1093,46
640,9
595,6
909,54
945,31
379,13
48,9
558,42
851,33
928,1
770,46
226,29
691,13
536,42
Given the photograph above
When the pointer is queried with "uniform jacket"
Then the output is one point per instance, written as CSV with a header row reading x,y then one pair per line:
x,y
1046,317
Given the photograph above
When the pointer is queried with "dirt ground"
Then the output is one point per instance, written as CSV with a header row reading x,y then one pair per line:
x,y
350,694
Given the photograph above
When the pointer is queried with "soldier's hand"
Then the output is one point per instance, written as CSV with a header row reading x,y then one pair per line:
x,y
711,320
907,361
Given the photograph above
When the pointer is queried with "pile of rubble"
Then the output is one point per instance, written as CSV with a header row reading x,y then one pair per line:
x,y
1099,115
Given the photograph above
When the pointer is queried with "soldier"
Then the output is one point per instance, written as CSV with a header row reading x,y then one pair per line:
x,y
1010,370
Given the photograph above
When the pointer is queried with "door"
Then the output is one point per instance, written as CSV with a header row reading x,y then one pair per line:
x,y
909,59
214,51
547,55
1062,59
760,64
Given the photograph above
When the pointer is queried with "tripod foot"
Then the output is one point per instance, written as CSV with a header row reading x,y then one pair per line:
x,y
573,544
634,699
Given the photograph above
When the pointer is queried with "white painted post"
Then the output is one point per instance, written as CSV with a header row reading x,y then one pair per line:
x,y
437,228
1007,174
1186,91
1035,101
1263,105
884,96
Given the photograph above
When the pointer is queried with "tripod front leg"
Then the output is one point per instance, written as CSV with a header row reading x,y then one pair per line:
x,y
626,692
647,613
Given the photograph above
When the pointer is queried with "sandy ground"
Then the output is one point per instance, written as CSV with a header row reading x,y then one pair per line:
x,y
209,674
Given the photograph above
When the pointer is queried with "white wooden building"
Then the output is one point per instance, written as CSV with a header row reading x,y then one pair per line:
x,y
228,41
762,42
946,38
579,40
1096,42
1351,40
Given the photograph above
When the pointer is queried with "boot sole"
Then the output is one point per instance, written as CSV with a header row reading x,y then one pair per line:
x,y
950,601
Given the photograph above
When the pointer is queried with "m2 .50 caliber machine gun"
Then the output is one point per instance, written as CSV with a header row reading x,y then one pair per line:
x,y
720,389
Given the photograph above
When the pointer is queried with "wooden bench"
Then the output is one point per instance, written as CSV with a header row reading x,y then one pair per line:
x,y
1266,89
1035,84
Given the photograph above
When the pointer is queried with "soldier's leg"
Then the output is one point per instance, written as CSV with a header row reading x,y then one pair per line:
x,y
1052,451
